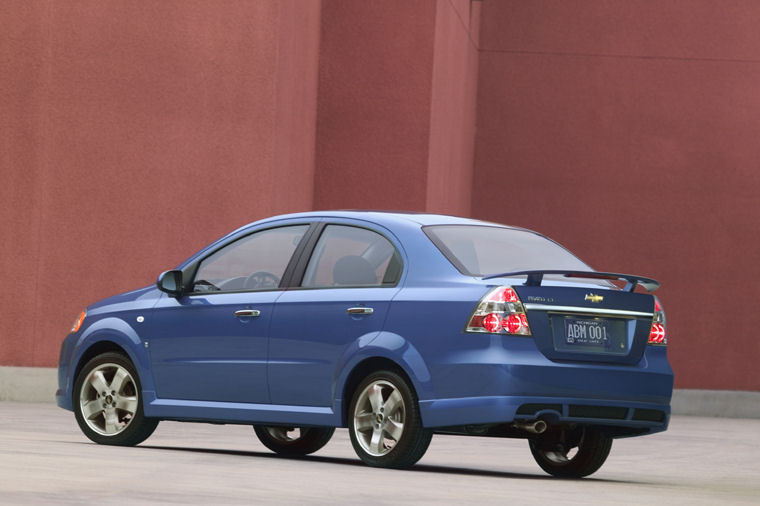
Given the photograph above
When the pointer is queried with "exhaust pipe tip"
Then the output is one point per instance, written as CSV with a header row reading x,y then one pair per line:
x,y
534,427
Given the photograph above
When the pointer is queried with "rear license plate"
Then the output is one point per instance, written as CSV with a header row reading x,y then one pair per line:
x,y
588,333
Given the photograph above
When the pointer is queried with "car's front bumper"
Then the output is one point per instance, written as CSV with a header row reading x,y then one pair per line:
x,y
63,399
63,396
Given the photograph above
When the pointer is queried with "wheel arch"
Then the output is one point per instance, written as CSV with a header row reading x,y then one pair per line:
x,y
111,335
361,371
98,348
386,352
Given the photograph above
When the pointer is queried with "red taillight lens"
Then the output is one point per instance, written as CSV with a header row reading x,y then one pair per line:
x,y
508,294
513,323
78,322
500,312
657,333
492,322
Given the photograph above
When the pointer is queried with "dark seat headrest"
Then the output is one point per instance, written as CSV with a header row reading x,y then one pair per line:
x,y
354,270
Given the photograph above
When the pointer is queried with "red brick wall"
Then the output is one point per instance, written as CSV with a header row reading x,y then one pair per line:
x,y
374,104
396,105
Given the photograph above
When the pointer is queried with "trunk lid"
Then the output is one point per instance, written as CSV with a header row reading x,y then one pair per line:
x,y
588,323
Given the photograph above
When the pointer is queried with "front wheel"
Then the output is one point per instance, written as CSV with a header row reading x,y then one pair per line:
x,y
580,453
293,441
108,402
384,422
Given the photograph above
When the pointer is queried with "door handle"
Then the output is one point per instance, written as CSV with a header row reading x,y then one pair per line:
x,y
245,313
360,310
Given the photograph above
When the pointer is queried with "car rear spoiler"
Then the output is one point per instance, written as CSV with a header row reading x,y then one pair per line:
x,y
535,278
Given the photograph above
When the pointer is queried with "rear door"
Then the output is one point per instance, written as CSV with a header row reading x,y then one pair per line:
x,y
341,300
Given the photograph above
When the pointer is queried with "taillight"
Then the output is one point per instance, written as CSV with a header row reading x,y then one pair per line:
x,y
78,322
657,333
500,312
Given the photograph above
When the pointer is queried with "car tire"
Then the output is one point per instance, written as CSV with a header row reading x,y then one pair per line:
x,y
384,422
591,448
108,402
293,441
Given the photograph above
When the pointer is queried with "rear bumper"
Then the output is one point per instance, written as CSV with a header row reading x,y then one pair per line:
x,y
622,418
503,384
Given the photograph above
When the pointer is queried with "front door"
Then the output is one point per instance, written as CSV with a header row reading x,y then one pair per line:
x,y
211,344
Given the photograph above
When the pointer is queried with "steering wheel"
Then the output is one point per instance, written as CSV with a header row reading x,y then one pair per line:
x,y
262,279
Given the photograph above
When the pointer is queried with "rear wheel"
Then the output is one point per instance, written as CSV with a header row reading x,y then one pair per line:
x,y
108,402
384,422
578,454
293,441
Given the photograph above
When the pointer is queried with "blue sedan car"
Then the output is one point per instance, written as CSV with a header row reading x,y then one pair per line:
x,y
397,326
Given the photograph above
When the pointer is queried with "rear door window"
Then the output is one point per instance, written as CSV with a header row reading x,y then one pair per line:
x,y
351,256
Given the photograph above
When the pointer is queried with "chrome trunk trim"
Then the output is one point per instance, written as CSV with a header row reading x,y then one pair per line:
x,y
593,311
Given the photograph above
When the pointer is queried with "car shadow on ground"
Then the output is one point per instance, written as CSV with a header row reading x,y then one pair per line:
x,y
418,468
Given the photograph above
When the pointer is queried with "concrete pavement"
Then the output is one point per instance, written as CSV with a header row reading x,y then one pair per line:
x,y
44,459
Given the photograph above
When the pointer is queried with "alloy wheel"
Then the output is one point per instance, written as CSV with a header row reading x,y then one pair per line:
x,y
379,418
108,399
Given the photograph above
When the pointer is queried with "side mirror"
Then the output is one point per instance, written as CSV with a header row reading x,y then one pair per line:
x,y
170,282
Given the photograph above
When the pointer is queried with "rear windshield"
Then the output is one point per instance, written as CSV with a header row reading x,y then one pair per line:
x,y
482,250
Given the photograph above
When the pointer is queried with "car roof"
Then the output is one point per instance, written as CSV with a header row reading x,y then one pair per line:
x,y
389,217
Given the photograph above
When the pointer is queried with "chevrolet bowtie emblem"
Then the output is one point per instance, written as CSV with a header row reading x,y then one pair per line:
x,y
594,298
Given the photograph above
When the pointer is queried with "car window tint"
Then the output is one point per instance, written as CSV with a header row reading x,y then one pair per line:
x,y
254,262
481,250
352,256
